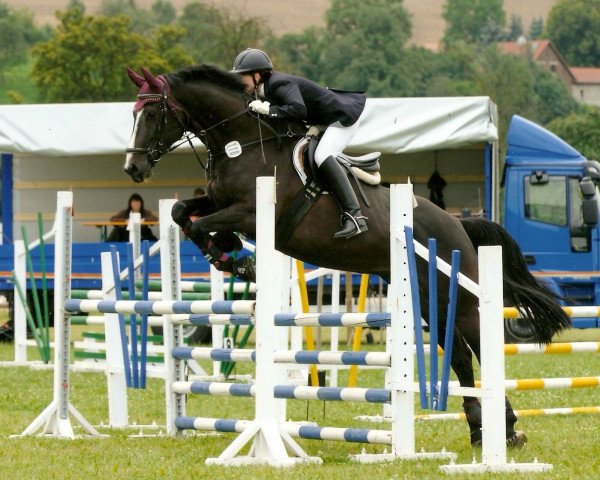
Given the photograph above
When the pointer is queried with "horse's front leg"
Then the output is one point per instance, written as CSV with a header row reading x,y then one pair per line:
x,y
185,212
214,247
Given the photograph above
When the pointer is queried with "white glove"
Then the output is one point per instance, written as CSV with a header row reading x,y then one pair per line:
x,y
313,131
259,107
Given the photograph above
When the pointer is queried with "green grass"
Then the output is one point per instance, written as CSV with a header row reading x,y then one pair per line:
x,y
571,444
18,80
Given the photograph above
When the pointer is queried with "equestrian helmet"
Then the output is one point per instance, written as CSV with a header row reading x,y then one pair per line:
x,y
252,60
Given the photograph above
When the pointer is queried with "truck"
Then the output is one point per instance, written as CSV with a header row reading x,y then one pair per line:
x,y
549,201
551,211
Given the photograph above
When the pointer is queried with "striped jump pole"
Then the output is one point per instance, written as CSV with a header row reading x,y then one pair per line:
x,y
309,432
160,307
534,412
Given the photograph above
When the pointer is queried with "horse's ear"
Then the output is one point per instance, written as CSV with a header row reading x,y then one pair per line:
x,y
135,77
153,81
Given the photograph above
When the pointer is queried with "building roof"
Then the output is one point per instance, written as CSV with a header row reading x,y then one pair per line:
x,y
522,47
535,48
586,75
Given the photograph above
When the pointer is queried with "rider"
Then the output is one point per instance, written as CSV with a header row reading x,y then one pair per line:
x,y
290,97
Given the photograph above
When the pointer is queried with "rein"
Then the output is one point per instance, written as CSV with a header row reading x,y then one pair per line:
x,y
154,151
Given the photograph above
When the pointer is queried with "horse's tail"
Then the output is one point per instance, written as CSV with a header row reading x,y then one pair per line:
x,y
537,304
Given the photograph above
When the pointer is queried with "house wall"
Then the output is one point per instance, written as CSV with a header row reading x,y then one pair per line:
x,y
587,93
550,60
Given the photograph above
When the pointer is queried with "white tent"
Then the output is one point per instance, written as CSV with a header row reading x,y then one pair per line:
x,y
389,125
80,147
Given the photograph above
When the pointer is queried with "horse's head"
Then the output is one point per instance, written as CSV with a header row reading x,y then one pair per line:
x,y
156,125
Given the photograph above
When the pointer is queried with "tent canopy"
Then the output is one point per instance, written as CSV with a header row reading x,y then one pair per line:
x,y
389,125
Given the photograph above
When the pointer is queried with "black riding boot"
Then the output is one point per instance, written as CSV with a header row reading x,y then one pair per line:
x,y
352,220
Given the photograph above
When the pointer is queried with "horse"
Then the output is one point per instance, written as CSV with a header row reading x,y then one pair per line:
x,y
211,104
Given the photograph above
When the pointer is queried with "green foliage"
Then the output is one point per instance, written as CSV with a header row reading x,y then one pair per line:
x,y
141,21
574,28
17,34
515,28
536,28
216,36
364,46
299,53
552,97
164,12
474,21
86,59
18,86
580,129
361,48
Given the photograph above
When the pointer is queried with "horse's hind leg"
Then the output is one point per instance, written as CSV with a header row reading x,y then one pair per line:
x,y
462,364
471,405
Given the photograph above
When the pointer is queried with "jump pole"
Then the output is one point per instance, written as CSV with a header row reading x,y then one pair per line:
x,y
270,440
54,420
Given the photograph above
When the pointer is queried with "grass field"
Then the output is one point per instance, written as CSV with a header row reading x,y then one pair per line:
x,y
18,80
570,443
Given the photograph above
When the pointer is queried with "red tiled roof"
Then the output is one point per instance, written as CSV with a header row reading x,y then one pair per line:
x,y
536,47
586,75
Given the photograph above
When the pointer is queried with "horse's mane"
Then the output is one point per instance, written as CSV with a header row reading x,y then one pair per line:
x,y
209,73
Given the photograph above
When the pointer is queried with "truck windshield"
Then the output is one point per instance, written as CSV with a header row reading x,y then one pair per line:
x,y
546,202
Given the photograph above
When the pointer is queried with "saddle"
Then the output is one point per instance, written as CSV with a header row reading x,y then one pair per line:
x,y
364,168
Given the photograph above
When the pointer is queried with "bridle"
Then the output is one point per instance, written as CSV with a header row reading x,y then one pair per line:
x,y
154,150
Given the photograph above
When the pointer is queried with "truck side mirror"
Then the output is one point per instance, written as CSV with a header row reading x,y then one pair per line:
x,y
538,177
590,201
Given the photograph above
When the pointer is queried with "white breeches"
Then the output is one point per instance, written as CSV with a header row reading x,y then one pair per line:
x,y
334,140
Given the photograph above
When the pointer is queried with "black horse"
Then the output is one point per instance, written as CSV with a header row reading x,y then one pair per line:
x,y
212,104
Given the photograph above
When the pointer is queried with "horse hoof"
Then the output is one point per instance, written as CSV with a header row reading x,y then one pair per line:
x,y
244,269
517,440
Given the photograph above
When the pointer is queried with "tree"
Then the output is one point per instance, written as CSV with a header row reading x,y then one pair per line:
x,y
216,36
17,34
299,53
515,28
536,28
364,48
86,59
140,20
164,12
474,21
580,129
574,28
552,98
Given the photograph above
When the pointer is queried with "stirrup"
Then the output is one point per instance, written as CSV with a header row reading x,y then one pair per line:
x,y
358,227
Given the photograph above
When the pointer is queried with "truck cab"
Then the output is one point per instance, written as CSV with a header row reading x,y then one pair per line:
x,y
551,210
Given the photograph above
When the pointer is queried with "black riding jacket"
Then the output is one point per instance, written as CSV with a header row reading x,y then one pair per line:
x,y
293,97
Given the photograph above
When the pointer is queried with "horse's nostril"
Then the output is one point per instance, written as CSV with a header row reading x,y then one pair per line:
x,y
130,169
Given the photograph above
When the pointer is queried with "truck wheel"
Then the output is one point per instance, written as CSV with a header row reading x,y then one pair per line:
x,y
194,334
518,331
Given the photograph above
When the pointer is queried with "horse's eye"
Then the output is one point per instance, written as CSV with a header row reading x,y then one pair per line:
x,y
151,114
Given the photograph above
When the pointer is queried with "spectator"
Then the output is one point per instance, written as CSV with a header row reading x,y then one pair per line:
x,y
135,205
